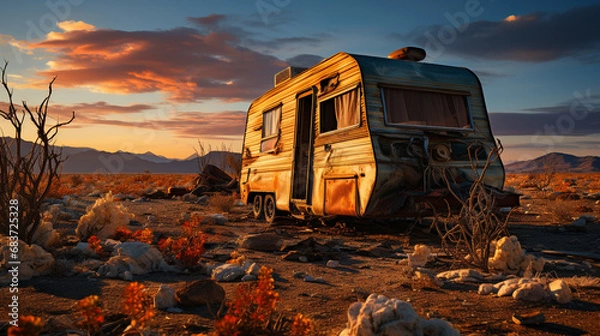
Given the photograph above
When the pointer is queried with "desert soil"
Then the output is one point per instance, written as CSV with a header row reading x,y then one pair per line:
x,y
53,296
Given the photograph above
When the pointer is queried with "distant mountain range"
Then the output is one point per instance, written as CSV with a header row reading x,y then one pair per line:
x,y
558,162
88,160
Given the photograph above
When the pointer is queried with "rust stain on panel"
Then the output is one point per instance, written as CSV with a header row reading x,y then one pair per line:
x,y
340,197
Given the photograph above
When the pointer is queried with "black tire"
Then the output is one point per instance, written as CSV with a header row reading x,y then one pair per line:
x,y
270,208
257,206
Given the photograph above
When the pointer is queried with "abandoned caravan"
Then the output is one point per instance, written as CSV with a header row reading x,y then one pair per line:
x,y
365,136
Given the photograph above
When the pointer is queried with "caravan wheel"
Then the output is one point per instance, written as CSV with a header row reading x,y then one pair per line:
x,y
270,208
257,206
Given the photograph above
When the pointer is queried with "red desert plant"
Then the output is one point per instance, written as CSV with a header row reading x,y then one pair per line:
x,y
187,249
124,234
91,313
27,326
94,244
137,305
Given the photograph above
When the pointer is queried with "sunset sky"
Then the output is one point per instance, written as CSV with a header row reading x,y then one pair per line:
x,y
160,75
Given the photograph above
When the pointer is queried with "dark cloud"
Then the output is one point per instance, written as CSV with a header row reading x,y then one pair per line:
x,y
304,60
536,37
208,21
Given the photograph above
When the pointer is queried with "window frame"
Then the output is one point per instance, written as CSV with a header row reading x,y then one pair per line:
x,y
465,94
276,134
333,95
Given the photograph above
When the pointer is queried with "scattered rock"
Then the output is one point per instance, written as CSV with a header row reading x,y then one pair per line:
x,y
156,194
253,269
461,275
420,256
127,276
560,291
45,235
228,272
165,297
135,257
200,293
217,219
202,200
266,242
332,263
426,279
248,277
485,289
103,219
189,197
303,259
177,191
529,318
508,289
35,261
510,258
531,291
379,315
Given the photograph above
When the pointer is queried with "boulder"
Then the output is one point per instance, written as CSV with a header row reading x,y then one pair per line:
x,y
200,293
266,242
177,191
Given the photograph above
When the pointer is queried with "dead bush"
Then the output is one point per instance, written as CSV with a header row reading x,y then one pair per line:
x,y
564,211
223,203
28,170
468,235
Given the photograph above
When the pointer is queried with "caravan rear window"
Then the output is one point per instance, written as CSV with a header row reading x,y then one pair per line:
x,y
341,111
425,108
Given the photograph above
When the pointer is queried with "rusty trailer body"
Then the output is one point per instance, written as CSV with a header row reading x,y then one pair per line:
x,y
364,136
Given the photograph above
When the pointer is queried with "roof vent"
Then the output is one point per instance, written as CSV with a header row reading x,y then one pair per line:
x,y
286,74
408,54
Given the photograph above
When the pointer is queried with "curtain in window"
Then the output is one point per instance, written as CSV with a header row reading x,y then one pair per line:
x,y
271,121
347,109
412,107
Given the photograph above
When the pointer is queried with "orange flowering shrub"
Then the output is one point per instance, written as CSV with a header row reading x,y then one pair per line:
x,y
252,307
91,313
122,234
145,236
28,326
94,244
301,326
187,249
137,305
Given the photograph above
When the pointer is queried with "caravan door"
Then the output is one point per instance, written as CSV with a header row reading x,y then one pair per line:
x,y
302,174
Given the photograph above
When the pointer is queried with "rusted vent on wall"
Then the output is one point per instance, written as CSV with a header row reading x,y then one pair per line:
x,y
408,54
286,74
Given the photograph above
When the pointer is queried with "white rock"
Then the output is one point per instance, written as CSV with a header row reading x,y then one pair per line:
x,y
508,290
509,257
332,263
560,291
165,297
135,257
531,291
303,259
253,269
35,261
485,289
102,219
420,256
228,272
379,315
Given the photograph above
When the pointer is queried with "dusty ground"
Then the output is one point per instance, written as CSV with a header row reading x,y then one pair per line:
x,y
356,277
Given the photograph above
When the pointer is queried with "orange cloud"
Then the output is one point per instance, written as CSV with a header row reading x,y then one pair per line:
x,y
187,64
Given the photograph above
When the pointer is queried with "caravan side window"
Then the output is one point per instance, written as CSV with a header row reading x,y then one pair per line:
x,y
340,112
270,129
